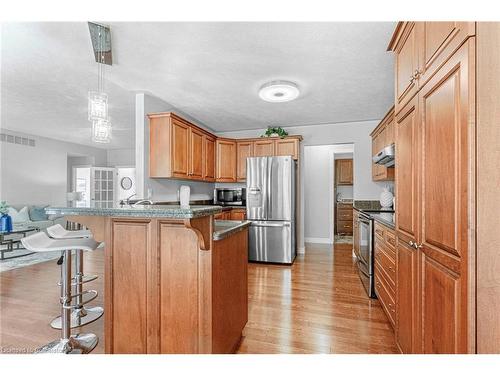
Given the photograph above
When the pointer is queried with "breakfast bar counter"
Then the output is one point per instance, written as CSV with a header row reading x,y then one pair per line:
x,y
170,287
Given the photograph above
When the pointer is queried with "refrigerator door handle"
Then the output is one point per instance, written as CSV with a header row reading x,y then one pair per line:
x,y
254,190
280,225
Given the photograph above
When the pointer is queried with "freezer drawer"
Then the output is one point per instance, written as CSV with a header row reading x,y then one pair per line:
x,y
272,242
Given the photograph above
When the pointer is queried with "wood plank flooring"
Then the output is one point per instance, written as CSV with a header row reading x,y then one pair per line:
x,y
318,305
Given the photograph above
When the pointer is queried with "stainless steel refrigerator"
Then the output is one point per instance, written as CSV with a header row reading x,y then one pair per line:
x,y
271,209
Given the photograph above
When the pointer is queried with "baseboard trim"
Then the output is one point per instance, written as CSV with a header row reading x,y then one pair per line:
x,y
318,240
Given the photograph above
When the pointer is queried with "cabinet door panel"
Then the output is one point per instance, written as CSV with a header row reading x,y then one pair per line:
x,y
244,150
406,65
196,154
209,172
287,147
407,292
226,160
438,41
180,149
406,170
447,104
263,147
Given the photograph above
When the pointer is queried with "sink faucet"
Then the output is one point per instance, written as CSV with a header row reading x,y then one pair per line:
x,y
127,200
143,201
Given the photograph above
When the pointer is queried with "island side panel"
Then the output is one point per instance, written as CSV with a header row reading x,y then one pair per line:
x,y
229,291
128,259
179,329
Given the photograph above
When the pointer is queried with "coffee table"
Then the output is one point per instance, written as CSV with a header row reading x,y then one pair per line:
x,y
19,233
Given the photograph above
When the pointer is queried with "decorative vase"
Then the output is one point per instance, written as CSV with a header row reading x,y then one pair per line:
x,y
5,223
386,198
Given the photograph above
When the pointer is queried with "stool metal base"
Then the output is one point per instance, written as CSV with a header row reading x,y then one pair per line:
x,y
80,317
82,343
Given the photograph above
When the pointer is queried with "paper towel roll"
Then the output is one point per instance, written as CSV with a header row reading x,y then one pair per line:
x,y
184,195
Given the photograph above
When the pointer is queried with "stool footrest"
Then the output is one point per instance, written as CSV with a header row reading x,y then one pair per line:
x,y
86,279
93,295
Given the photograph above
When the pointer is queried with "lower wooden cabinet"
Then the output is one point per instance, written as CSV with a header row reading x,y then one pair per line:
x,y
385,271
407,297
232,214
355,233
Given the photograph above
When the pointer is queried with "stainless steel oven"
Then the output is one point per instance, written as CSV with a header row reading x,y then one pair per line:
x,y
230,197
366,253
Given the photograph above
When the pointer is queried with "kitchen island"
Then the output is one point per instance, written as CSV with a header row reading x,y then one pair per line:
x,y
175,282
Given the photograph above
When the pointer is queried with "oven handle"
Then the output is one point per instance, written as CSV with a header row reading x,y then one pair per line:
x,y
367,222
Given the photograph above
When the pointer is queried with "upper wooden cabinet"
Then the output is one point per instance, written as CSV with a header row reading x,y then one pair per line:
x,y
421,48
209,160
344,172
263,147
244,150
226,160
179,149
382,136
405,45
287,146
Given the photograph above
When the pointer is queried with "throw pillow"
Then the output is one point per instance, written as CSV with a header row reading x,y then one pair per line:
x,y
37,213
21,216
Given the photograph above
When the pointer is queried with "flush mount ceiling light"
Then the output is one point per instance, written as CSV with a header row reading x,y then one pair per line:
x,y
279,91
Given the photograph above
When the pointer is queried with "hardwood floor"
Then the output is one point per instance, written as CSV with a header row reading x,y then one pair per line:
x,y
318,305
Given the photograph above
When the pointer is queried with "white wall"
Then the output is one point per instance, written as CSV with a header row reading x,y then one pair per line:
x,y
357,133
121,157
39,175
162,189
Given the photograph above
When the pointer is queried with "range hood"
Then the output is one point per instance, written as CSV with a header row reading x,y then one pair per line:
x,y
386,156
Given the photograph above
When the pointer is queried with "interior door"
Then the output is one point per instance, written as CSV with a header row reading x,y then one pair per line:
x,y
447,104
103,183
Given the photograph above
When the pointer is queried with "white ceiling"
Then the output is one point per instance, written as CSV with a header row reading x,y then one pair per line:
x,y
211,71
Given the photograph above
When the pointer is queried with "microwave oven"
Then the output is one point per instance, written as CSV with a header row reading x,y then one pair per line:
x,y
230,197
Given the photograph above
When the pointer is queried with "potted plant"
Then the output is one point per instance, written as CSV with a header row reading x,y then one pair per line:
x,y
5,219
275,132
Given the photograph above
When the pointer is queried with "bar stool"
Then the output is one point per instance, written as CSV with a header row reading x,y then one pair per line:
x,y
80,315
80,343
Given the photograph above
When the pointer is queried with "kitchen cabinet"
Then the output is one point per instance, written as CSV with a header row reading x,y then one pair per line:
x,y
226,160
421,48
385,270
382,136
405,46
179,149
344,172
355,236
287,146
407,298
238,214
264,147
209,160
244,150
344,217
435,161
196,155
447,102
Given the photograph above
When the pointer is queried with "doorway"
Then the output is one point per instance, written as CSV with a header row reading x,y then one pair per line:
x,y
343,186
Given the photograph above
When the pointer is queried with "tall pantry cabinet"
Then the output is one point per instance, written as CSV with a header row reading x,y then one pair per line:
x,y
435,186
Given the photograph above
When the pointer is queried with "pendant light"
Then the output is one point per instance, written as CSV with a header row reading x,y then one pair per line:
x,y
98,112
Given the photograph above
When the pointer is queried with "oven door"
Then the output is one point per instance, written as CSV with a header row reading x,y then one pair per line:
x,y
365,239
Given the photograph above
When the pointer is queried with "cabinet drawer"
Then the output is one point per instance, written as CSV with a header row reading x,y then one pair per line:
x,y
344,226
385,299
387,265
390,242
344,215
379,232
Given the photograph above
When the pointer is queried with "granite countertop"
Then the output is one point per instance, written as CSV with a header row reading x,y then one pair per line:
x,y
226,228
155,210
385,218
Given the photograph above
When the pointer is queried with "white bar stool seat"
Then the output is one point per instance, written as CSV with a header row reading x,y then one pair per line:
x,y
81,315
81,343
57,231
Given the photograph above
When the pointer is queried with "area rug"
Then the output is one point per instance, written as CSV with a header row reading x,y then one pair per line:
x,y
28,260
343,239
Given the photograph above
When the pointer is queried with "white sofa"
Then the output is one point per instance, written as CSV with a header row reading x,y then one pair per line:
x,y
40,224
